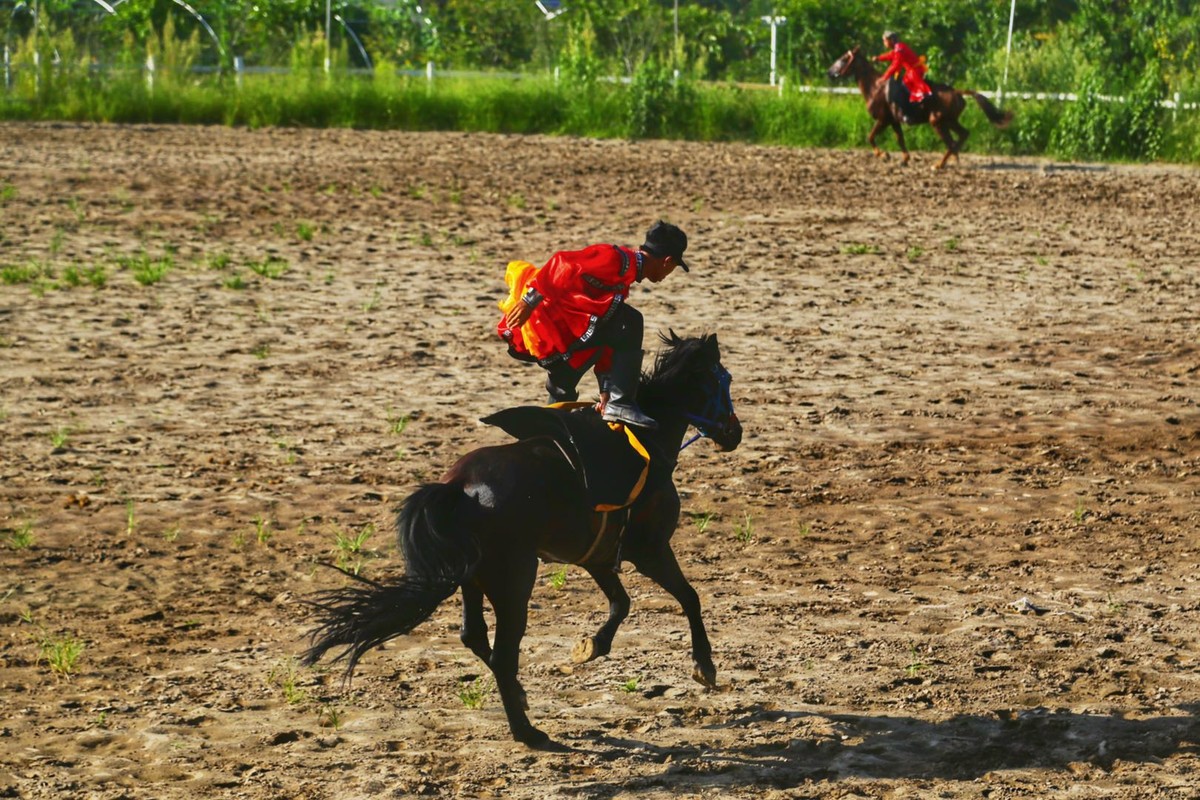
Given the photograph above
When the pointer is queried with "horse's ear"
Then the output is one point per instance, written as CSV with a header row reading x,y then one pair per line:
x,y
711,348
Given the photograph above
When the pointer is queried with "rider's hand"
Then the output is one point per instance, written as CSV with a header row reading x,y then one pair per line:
x,y
518,315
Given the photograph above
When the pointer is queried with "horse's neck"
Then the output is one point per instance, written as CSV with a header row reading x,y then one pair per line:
x,y
867,77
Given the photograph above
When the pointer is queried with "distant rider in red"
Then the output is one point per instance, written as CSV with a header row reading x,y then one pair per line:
x,y
575,316
903,58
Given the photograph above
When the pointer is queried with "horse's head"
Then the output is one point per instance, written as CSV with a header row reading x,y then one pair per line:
x,y
843,66
690,371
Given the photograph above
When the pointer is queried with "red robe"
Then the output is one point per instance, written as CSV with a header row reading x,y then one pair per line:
x,y
573,293
903,58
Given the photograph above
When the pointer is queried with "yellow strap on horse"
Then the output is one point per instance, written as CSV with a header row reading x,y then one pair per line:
x,y
638,447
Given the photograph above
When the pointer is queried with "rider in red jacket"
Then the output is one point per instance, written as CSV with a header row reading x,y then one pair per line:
x,y
903,58
577,316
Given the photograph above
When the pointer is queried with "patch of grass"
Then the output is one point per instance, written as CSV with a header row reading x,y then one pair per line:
x,y
1080,511
397,422
702,519
951,244
284,677
416,191
914,253
261,351
630,686
348,548
171,534
558,578
61,654
915,664
745,530
329,716
373,303
29,272
97,276
146,270
262,529
517,201
59,437
8,192
218,261
474,694
305,231
860,249
130,518
235,282
21,537
271,267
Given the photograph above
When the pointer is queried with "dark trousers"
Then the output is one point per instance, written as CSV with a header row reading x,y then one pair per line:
x,y
622,331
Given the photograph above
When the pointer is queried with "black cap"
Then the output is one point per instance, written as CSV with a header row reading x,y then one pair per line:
x,y
664,239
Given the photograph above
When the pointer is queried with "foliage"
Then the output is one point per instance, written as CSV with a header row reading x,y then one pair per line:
x,y
1144,50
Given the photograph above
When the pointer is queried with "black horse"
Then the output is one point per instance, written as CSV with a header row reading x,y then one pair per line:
x,y
499,509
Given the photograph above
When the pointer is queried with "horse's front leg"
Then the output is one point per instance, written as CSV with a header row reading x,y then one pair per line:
x,y
618,609
899,129
875,129
660,566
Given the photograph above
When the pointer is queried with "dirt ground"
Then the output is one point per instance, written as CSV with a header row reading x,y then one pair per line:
x,y
956,554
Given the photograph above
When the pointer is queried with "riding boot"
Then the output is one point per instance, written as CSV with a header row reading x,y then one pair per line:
x,y
561,383
623,380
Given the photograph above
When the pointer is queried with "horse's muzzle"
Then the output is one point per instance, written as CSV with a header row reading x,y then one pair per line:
x,y
729,436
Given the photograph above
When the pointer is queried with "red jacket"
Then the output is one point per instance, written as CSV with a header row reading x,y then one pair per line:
x,y
902,57
571,295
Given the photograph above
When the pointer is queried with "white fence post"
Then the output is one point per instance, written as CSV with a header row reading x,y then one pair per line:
x,y
429,71
239,64
7,74
150,73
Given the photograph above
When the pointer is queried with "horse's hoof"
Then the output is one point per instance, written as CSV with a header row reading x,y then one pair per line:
x,y
532,738
706,676
584,651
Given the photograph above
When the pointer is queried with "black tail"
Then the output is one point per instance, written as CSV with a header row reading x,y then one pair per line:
x,y
995,116
439,555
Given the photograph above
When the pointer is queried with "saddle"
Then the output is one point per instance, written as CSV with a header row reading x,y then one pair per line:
x,y
899,98
614,465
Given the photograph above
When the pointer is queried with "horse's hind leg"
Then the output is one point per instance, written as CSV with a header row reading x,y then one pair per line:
x,y
509,596
951,147
474,628
618,609
963,133
661,567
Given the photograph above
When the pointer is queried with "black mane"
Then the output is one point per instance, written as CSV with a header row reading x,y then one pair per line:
x,y
682,360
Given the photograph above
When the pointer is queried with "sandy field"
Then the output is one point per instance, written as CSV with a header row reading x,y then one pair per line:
x,y
956,555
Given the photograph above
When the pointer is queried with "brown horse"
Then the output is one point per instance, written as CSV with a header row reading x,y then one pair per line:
x,y
941,110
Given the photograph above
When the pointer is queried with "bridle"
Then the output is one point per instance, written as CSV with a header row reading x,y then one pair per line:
x,y
718,406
